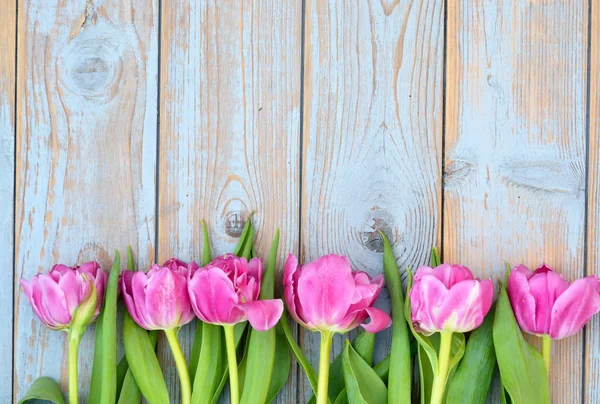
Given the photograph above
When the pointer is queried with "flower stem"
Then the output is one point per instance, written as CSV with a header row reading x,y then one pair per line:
x,y
439,383
73,372
547,351
234,393
180,363
326,338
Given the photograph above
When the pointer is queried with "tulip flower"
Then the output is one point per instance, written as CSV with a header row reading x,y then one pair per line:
x,y
68,299
448,299
225,292
55,296
548,306
326,295
158,300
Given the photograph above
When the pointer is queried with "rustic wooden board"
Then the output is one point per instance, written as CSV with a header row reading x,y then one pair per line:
x,y
8,25
515,169
86,153
592,332
229,132
372,136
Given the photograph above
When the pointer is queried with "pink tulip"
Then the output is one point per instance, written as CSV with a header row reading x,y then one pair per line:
x,y
55,296
158,299
226,291
448,298
546,304
326,295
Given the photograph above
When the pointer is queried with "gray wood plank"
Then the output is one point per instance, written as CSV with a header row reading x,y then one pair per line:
x,y
592,342
373,137
515,169
229,132
87,102
8,21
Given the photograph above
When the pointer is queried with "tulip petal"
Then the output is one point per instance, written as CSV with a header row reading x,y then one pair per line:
x,y
212,295
325,290
545,286
521,299
53,299
71,281
380,320
574,308
466,305
450,275
290,277
428,293
263,314
167,299
139,281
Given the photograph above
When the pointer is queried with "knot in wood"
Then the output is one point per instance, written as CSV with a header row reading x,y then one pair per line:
x,y
91,64
234,224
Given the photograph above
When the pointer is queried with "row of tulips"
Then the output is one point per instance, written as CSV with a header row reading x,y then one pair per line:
x,y
446,322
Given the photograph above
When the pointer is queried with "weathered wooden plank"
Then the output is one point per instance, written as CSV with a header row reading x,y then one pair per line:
x,y
515,169
229,131
87,101
8,25
372,141
592,341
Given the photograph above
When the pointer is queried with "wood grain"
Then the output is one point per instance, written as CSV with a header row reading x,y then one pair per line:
x,y
86,152
229,131
592,332
8,25
515,169
372,141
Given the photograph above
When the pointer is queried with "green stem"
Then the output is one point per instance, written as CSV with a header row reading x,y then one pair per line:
x,y
234,393
73,373
547,351
326,338
439,383
182,367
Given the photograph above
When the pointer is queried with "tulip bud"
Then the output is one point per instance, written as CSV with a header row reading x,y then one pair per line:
x,y
546,304
326,295
226,292
84,313
158,299
448,298
55,296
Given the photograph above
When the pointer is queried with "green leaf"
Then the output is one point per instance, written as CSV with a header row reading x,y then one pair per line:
x,y
281,366
197,345
44,388
522,368
364,345
362,383
130,392
400,375
143,362
301,358
206,255
249,244
382,369
122,369
196,348
238,333
262,346
239,248
471,381
210,364
267,286
103,386
130,263
427,353
435,257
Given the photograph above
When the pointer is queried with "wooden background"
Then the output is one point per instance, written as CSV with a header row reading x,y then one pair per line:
x,y
469,124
